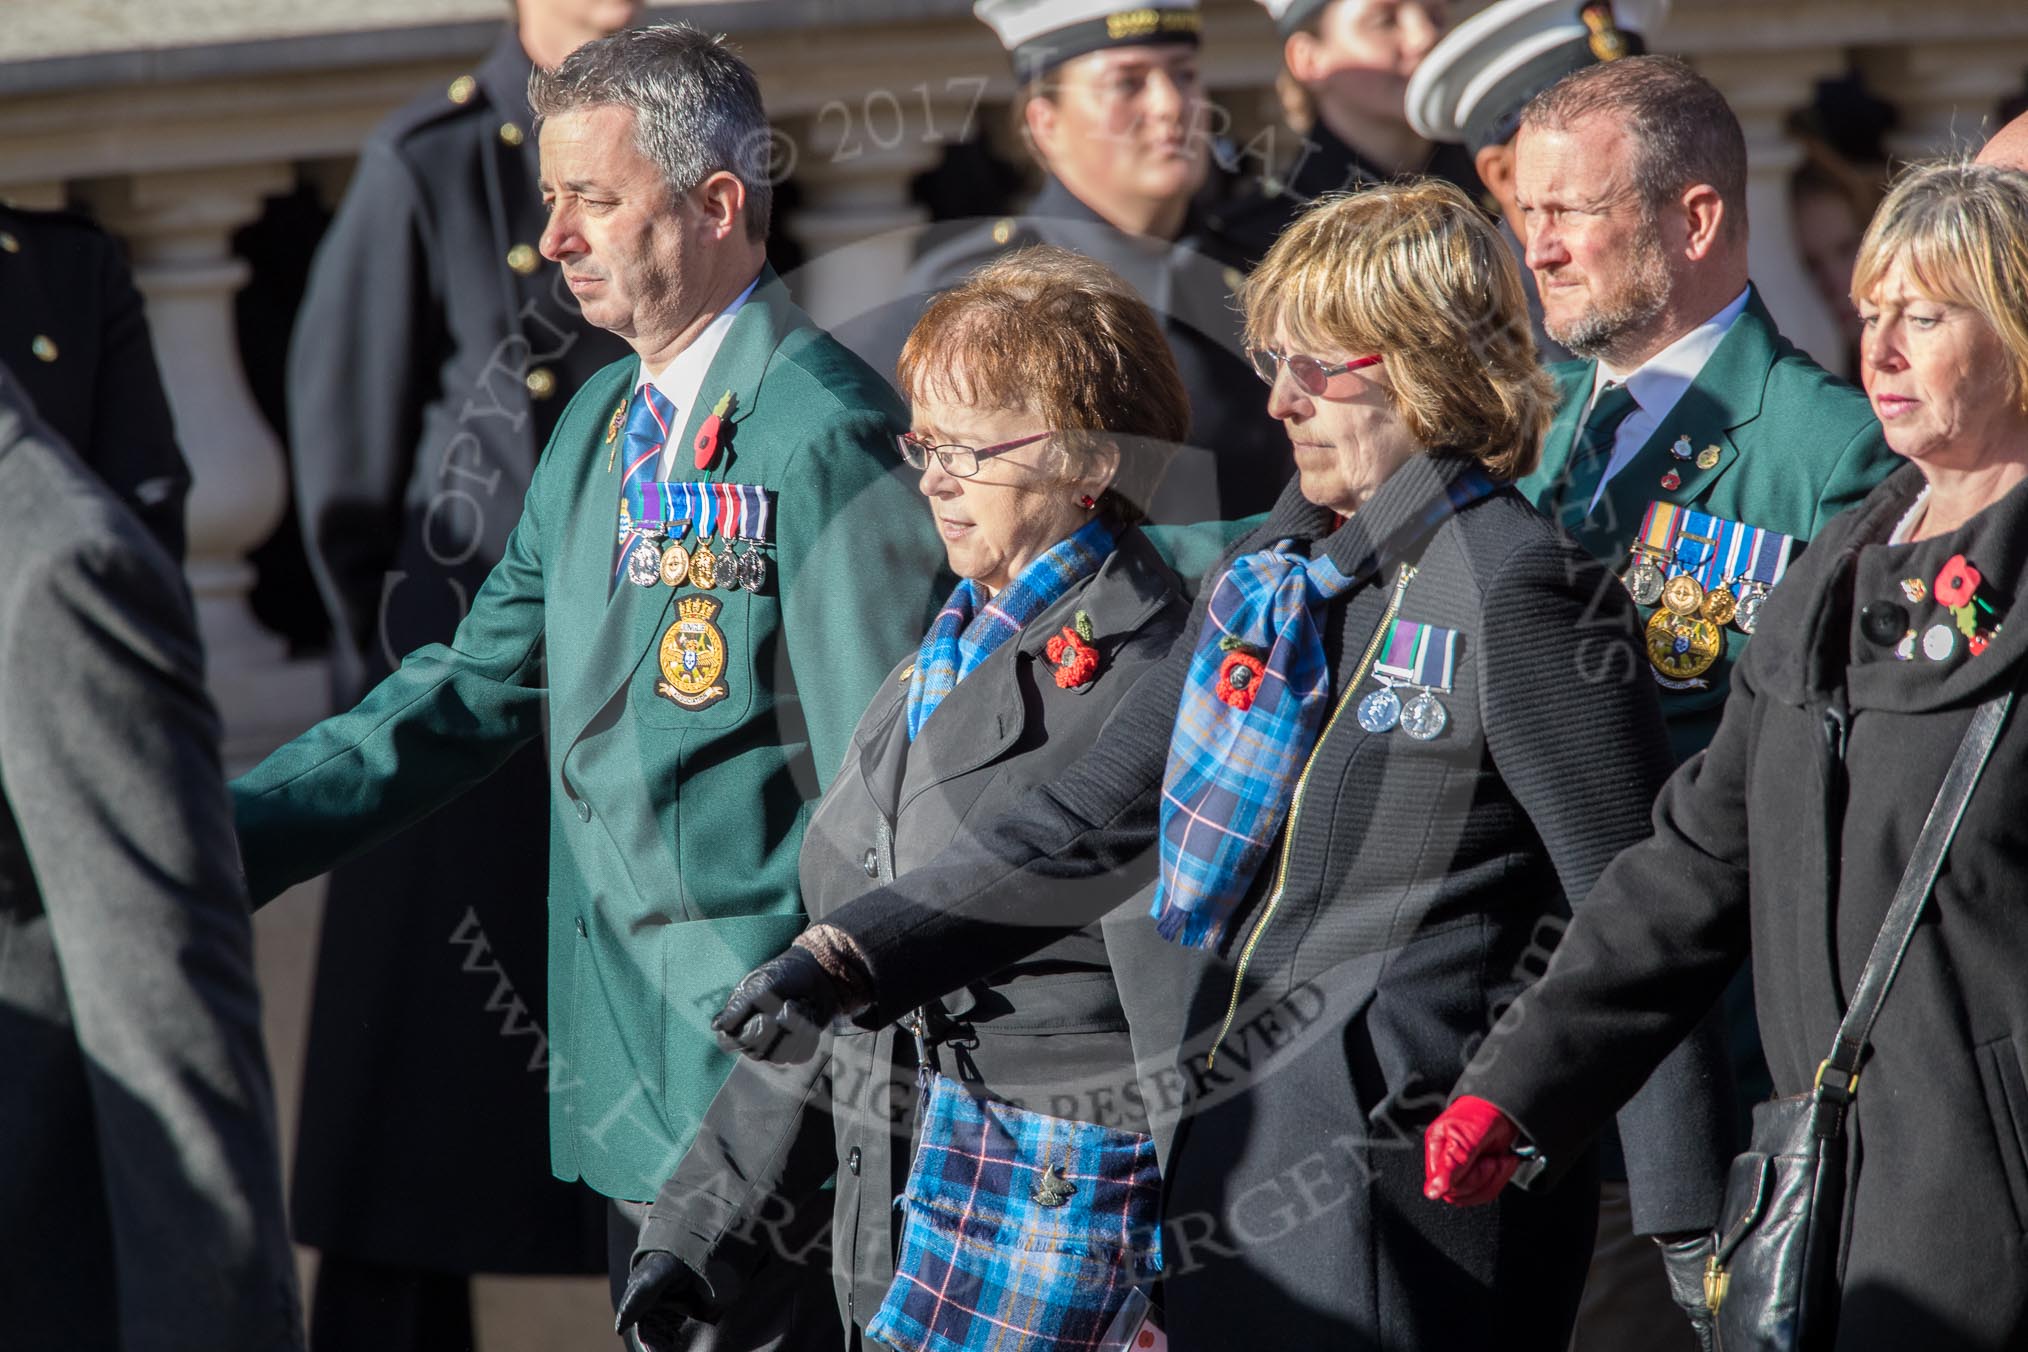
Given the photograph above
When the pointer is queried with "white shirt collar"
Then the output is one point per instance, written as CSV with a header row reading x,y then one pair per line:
x,y
1662,379
681,381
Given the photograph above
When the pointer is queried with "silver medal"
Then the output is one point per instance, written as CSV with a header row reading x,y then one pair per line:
x,y
753,570
644,564
1380,710
1645,581
1748,614
1424,718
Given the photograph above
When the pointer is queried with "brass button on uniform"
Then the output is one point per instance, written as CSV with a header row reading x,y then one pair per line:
x,y
523,259
541,382
9,243
463,88
852,1161
511,134
43,347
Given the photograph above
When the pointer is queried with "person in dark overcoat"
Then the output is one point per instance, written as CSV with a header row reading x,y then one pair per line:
x,y
1042,339
75,334
1406,725
1111,104
1788,837
140,1187
433,353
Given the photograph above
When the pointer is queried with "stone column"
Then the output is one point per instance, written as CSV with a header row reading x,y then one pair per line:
x,y
1764,88
853,161
178,227
1946,93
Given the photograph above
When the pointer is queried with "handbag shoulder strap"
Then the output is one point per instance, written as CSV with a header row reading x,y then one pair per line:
x,y
1838,1076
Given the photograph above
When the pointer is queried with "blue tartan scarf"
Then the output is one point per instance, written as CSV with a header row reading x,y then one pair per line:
x,y
970,626
1231,772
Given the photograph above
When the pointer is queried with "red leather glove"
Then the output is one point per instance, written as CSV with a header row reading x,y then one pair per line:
x,y
1468,1153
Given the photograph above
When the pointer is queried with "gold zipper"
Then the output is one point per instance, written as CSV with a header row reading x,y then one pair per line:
x,y
1267,912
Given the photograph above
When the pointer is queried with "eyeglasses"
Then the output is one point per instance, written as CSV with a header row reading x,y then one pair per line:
x,y
959,461
1311,375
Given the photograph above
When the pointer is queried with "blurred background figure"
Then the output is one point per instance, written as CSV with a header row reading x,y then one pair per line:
x,y
1346,68
1470,90
1111,104
433,353
73,332
141,1191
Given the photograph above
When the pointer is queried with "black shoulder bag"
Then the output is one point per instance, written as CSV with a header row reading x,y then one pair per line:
x,y
1772,1281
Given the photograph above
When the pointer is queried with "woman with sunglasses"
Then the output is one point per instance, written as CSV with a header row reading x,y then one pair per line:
x,y
1407,725
1044,404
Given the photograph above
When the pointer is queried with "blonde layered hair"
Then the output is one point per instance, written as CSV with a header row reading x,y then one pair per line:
x,y
1962,228
1415,272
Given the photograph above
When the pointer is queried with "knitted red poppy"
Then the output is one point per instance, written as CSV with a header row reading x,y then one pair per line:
x,y
1239,678
1957,583
1077,662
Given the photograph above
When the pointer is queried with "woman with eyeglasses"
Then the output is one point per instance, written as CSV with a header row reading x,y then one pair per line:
x,y
1407,725
1044,406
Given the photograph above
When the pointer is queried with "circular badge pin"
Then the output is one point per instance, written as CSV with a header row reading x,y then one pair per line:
x,y
1682,648
1380,710
1939,641
1708,458
1424,717
1683,595
1914,588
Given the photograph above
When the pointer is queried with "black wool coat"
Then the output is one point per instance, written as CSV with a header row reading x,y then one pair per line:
x,y
432,357
1290,1077
1787,839
1046,1032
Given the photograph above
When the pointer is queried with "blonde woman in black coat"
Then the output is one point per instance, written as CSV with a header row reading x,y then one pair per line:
x,y
1788,838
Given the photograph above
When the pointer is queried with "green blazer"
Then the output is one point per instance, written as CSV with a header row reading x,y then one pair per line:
x,y
674,831
1796,446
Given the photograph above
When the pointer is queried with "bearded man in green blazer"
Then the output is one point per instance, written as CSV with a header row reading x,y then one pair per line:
x,y
1695,450
714,568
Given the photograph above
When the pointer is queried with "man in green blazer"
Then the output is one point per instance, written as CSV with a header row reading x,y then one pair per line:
x,y
713,570
1694,451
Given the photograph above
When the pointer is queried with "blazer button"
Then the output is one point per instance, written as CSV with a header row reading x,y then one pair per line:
x,y
581,932
871,863
852,1162
583,810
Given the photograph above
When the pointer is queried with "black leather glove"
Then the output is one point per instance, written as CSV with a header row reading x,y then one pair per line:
x,y
662,1294
1684,1258
778,1010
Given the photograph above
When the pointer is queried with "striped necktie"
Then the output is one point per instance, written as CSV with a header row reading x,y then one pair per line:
x,y
1593,451
651,421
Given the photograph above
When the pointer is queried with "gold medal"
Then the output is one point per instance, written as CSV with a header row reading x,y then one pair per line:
x,y
703,566
692,655
1682,648
1719,606
1682,594
675,564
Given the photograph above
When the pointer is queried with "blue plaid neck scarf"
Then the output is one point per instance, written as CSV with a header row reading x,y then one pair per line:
x,y
966,631
1231,772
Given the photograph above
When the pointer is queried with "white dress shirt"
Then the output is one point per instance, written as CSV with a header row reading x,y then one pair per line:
x,y
1657,385
681,381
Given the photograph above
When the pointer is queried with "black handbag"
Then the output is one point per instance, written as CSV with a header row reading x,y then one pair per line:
x,y
1772,1279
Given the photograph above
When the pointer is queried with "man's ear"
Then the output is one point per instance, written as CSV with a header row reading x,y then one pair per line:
x,y
1704,218
1039,114
721,200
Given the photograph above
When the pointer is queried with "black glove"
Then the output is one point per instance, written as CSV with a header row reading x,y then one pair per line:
x,y
1684,1258
662,1294
778,1010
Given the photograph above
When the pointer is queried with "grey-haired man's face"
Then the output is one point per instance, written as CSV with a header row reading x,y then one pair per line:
x,y
1592,245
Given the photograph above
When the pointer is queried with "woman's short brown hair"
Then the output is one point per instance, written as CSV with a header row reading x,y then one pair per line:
x,y
1414,272
1962,229
1054,333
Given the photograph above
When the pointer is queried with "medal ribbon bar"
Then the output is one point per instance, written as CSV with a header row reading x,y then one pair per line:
x,y
1418,654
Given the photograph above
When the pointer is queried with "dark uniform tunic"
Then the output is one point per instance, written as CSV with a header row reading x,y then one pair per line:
x,y
433,353
1255,218
73,333
1237,457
